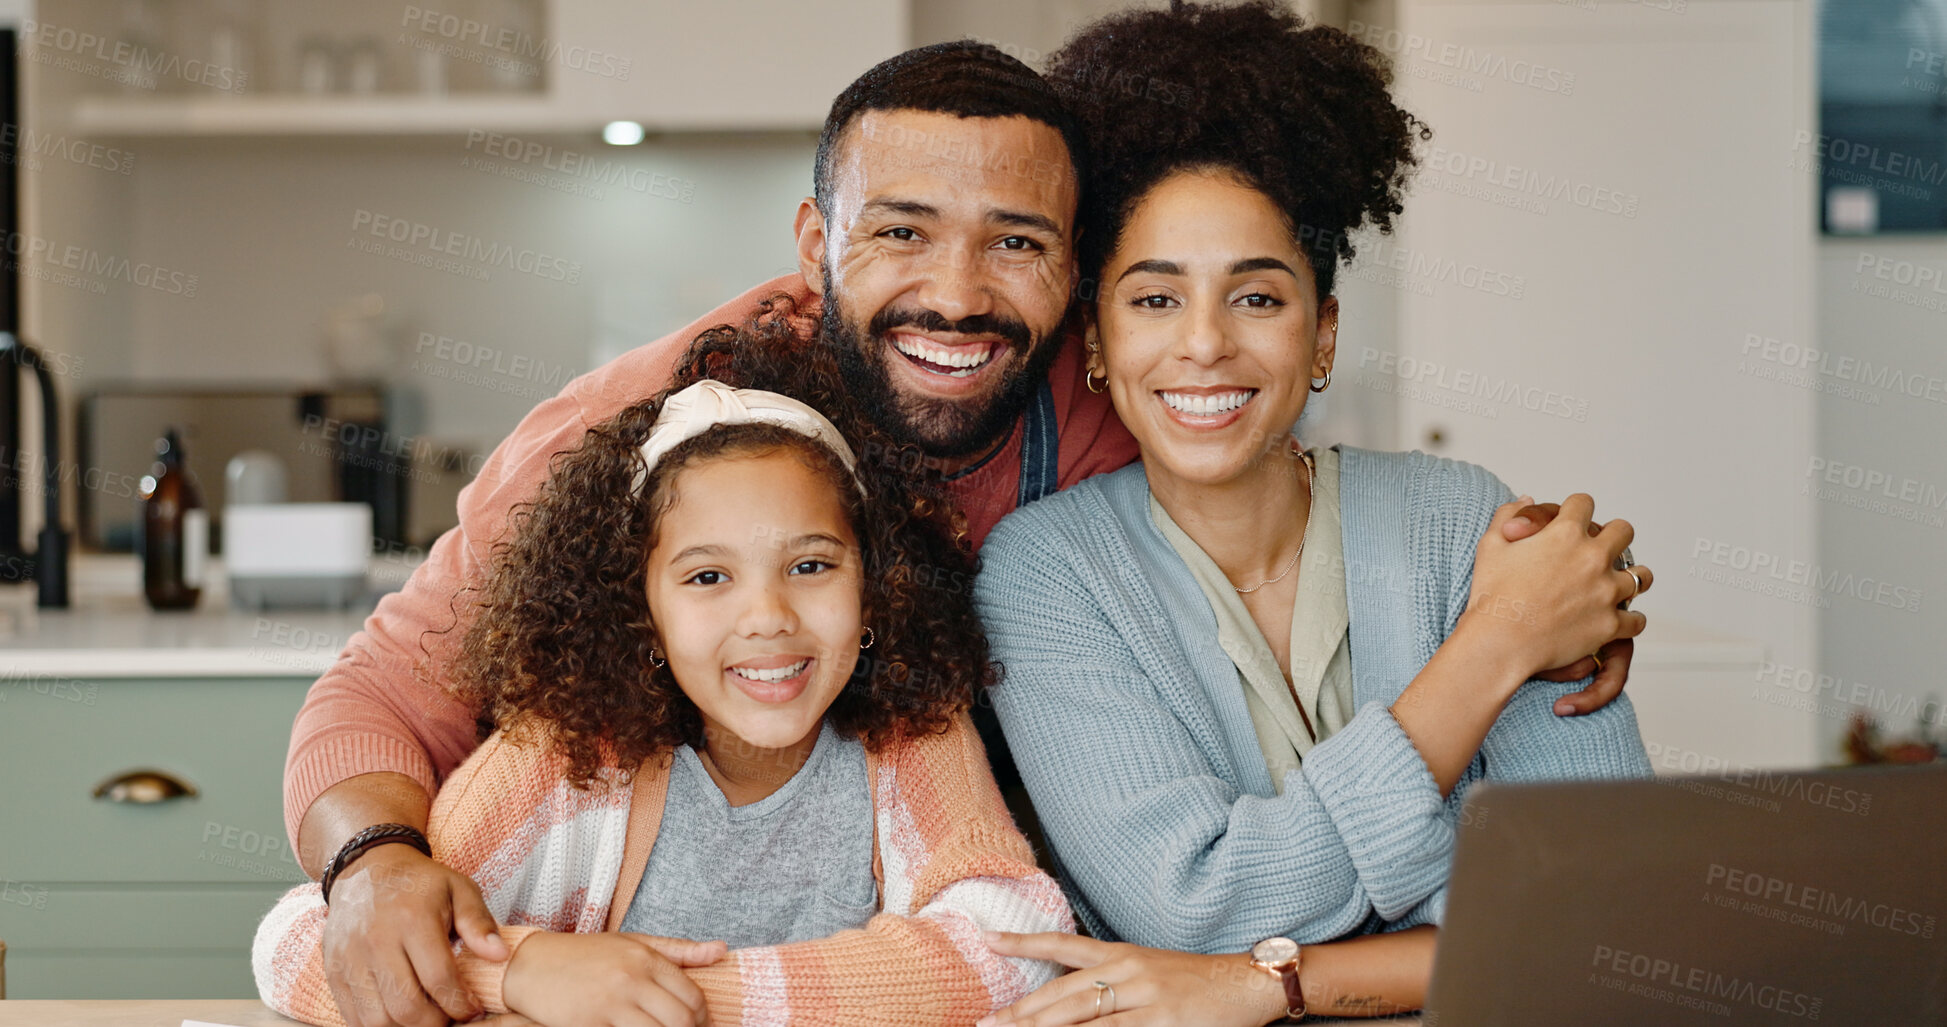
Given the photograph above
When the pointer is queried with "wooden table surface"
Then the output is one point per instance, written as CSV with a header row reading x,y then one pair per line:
x,y
137,1013
172,1012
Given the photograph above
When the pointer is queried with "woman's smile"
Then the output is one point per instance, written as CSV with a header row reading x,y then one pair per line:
x,y
1206,408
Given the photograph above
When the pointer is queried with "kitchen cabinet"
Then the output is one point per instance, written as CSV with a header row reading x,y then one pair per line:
x,y
744,64
104,899
669,64
108,899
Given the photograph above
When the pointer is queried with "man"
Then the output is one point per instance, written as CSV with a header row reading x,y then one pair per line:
x,y
937,255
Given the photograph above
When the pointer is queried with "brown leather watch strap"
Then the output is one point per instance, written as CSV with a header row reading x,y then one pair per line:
x,y
1294,992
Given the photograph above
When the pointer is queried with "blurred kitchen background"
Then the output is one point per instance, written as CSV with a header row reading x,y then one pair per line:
x,y
1685,255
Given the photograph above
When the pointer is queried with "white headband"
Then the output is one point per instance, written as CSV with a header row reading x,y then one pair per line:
x,y
709,403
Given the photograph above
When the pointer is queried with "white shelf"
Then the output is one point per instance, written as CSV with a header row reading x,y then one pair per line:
x,y
318,116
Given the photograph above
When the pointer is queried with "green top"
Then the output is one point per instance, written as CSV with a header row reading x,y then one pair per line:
x,y
1321,655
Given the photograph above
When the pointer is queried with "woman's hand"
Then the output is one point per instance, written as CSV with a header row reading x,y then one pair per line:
x,y
609,978
1608,666
1150,987
1552,599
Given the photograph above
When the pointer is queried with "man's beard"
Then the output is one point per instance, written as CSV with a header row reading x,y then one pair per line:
x,y
940,428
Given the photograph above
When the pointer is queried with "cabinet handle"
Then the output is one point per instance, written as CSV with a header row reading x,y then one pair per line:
x,y
141,787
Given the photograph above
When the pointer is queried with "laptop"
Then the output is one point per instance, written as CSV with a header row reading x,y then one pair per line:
x,y
1755,897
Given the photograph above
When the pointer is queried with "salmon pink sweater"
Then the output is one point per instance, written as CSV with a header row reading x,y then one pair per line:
x,y
550,857
373,711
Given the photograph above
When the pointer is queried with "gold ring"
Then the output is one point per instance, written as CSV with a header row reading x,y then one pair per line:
x,y
1100,988
1597,657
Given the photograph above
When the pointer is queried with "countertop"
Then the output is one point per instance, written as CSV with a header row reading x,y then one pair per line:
x,y
110,632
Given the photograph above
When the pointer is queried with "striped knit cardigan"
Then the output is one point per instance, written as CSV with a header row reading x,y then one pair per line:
x,y
949,861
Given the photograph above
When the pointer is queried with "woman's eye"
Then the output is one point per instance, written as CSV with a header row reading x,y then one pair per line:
x,y
1154,301
1259,299
705,578
810,566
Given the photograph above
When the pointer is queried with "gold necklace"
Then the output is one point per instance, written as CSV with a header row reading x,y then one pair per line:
x,y
1306,459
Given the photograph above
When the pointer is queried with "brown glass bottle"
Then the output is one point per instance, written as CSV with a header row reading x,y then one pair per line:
x,y
175,531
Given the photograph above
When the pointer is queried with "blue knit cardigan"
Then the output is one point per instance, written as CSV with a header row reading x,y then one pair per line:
x,y
1128,724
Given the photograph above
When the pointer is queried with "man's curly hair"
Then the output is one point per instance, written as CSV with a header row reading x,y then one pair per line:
x,y
563,636
1299,112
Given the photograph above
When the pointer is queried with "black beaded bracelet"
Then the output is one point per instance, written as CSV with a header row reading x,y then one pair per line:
x,y
370,838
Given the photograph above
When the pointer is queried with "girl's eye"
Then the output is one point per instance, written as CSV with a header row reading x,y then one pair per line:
x,y
1259,299
810,567
705,578
1153,301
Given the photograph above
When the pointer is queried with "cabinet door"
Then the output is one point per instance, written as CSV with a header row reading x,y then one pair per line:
x,y
727,64
104,899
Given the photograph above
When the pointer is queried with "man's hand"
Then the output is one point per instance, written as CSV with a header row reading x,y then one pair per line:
x,y
609,978
1610,664
387,953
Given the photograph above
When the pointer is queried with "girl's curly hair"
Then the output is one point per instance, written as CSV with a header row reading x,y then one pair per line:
x,y
563,633
1299,112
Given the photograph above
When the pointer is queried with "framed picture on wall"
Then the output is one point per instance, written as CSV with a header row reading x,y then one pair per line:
x,y
1881,147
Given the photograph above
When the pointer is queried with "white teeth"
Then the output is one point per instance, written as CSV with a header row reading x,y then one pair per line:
x,y
965,358
774,674
1201,405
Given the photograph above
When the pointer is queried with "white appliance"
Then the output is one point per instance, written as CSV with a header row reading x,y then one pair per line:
x,y
296,554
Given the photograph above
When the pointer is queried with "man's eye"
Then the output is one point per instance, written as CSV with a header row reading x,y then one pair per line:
x,y
810,567
901,234
705,578
1019,242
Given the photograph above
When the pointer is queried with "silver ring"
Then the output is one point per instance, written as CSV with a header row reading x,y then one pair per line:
x,y
1633,576
1100,988
1626,560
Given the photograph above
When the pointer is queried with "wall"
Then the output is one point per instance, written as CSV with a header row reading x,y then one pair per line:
x,y
1607,211
1878,474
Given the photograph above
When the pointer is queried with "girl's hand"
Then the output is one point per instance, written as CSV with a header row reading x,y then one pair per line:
x,y
1551,600
608,978
1152,987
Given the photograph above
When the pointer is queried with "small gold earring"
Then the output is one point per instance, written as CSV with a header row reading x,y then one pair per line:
x,y
1326,384
1089,380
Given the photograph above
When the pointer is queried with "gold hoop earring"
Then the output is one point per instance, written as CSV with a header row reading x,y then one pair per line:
x,y
1088,379
869,639
1326,384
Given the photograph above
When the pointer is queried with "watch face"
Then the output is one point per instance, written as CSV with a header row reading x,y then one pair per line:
x,y
1273,951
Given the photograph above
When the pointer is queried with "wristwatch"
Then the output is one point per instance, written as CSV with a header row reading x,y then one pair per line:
x,y
1279,958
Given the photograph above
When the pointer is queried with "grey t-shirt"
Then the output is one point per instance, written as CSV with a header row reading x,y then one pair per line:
x,y
793,866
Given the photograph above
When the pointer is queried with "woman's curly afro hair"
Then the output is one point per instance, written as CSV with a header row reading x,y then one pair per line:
x,y
1300,112
562,637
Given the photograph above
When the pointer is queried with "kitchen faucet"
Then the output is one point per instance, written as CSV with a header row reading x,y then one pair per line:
x,y
48,566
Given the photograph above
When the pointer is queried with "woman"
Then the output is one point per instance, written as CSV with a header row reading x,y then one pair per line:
x,y
1248,687
724,709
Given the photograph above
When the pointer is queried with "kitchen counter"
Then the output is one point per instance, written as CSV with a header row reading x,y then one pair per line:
x,y
110,631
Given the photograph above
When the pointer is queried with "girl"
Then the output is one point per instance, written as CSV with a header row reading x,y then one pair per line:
x,y
728,702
